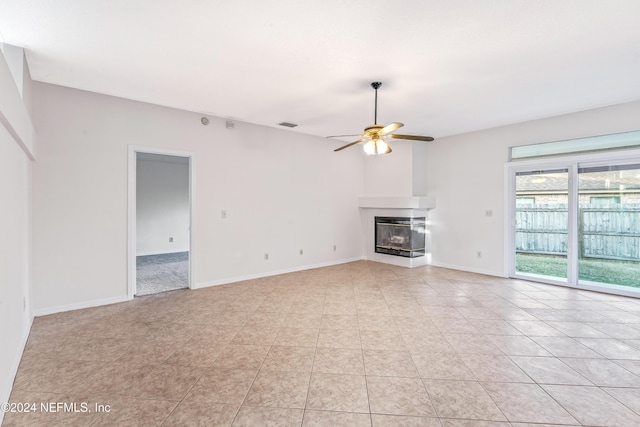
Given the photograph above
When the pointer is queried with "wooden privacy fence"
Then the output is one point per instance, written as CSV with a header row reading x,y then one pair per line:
x,y
604,231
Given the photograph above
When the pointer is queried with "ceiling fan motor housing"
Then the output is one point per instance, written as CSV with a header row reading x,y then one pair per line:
x,y
372,130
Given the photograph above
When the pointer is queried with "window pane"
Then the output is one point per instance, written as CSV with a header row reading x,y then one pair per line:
x,y
541,223
609,225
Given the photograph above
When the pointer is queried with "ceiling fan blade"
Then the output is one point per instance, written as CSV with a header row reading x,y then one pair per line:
x,y
350,144
390,128
411,137
340,136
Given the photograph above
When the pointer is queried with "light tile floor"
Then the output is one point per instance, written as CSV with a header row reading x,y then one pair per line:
x,y
359,344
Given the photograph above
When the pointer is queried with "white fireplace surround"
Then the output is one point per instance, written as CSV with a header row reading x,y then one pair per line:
x,y
412,206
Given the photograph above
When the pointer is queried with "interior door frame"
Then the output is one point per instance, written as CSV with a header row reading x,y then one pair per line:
x,y
133,150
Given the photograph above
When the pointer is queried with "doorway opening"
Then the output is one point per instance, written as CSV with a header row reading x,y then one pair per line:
x,y
160,218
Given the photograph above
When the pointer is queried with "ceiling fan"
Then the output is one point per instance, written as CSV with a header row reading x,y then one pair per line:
x,y
376,135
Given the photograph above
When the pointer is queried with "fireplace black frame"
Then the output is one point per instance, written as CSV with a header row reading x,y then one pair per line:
x,y
412,227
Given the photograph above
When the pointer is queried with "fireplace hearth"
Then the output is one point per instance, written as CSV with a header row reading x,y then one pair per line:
x,y
400,236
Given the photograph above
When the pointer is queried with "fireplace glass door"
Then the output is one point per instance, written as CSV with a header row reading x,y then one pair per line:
x,y
400,236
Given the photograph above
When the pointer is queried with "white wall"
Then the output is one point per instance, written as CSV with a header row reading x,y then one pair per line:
x,y
420,169
402,173
162,204
15,226
283,192
391,174
466,176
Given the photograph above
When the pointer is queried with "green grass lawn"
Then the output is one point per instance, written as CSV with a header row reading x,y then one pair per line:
x,y
626,273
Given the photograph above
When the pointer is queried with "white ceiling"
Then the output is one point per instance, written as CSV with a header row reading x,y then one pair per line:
x,y
447,66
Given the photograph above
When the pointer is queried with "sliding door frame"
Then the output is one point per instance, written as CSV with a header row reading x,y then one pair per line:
x,y
542,164
571,163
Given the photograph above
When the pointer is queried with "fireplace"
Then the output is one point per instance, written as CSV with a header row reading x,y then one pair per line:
x,y
400,236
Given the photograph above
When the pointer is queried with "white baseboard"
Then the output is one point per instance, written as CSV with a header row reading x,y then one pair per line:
x,y
399,261
272,273
123,298
78,306
469,270
6,391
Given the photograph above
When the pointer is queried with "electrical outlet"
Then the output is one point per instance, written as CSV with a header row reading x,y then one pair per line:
x,y
223,214
488,212
170,239
266,256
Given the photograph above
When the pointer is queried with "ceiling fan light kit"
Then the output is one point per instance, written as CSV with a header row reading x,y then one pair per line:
x,y
375,135
377,146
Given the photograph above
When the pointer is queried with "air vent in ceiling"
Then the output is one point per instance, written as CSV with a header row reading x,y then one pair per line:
x,y
287,124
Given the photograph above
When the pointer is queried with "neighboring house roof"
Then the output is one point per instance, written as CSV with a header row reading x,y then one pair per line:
x,y
609,181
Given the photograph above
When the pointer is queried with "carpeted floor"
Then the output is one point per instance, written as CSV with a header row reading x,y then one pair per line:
x,y
161,273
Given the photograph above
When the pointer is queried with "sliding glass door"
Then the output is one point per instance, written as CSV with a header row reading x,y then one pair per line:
x,y
577,223
541,223
609,224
